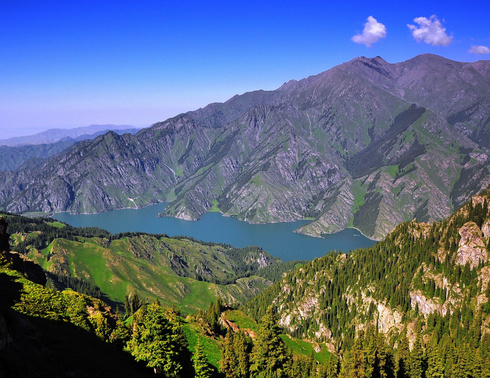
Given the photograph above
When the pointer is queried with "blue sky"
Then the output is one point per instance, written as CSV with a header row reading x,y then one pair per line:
x,y
75,63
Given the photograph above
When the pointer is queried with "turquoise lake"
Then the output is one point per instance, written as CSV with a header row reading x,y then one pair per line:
x,y
277,238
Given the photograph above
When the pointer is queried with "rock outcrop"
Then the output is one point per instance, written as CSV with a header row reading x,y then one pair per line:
x,y
473,245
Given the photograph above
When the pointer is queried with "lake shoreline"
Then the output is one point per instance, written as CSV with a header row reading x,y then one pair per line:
x,y
276,238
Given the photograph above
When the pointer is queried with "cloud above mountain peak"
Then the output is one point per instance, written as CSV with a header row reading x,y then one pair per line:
x,y
431,31
373,31
479,50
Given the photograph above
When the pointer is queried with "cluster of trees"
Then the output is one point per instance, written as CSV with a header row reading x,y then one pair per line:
x,y
265,356
371,355
150,334
62,282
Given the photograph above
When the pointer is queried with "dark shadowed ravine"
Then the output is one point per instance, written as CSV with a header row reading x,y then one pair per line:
x,y
276,238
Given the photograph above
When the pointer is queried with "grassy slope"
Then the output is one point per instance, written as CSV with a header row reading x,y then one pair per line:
x,y
121,268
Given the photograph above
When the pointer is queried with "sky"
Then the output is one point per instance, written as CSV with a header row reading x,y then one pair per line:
x,y
73,63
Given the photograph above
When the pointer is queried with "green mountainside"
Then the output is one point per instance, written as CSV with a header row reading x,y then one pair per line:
x,y
423,287
176,271
366,144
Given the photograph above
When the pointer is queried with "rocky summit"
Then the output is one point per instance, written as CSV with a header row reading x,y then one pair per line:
x,y
366,144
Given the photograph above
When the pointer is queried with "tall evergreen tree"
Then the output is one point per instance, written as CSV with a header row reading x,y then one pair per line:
x,y
157,341
201,365
402,369
269,354
242,352
435,364
417,359
228,362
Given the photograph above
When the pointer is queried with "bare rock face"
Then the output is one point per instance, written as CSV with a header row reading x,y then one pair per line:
x,y
426,305
472,246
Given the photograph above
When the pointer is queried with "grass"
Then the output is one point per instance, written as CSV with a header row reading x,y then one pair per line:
x,y
143,265
359,193
392,170
211,347
304,348
241,320
257,180
396,190
215,208
57,224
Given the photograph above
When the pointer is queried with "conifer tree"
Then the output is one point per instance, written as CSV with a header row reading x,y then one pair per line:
x,y
201,365
354,364
402,359
228,362
417,359
157,342
242,351
269,355
435,365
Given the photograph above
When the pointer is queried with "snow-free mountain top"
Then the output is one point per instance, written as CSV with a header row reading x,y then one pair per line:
x,y
366,144
55,135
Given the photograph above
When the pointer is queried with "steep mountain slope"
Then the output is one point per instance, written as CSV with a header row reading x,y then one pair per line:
x,y
420,279
176,271
366,144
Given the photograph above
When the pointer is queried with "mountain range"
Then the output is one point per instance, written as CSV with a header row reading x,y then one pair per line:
x,y
366,144
32,150
55,135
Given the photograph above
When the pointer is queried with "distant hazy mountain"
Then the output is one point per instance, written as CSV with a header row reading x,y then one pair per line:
x,y
366,144
13,157
54,135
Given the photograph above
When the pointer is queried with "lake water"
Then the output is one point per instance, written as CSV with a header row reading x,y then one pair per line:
x,y
277,238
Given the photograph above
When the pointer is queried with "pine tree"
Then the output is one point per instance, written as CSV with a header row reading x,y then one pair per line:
x,y
402,359
157,342
269,355
417,359
435,364
242,351
354,363
228,362
201,365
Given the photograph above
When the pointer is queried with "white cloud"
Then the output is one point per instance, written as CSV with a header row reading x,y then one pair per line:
x,y
373,30
430,31
479,50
